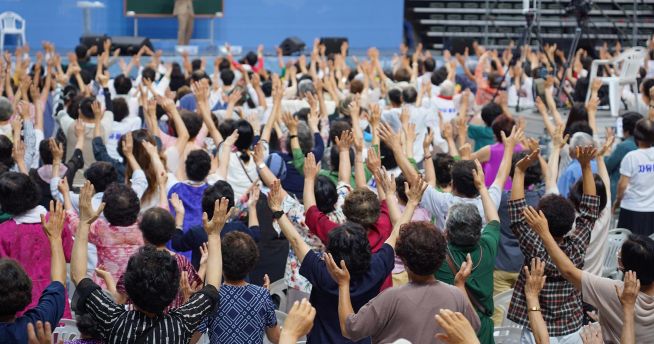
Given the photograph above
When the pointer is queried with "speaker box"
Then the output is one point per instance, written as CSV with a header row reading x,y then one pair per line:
x,y
93,40
292,45
459,45
333,44
129,45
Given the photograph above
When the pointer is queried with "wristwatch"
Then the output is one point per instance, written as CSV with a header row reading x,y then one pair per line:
x,y
292,137
534,309
261,166
276,215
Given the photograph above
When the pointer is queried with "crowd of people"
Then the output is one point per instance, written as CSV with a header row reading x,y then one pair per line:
x,y
404,192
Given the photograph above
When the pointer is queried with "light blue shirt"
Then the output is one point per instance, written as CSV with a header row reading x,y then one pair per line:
x,y
571,175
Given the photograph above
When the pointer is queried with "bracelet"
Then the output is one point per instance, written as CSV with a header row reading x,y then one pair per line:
x,y
534,309
292,137
427,157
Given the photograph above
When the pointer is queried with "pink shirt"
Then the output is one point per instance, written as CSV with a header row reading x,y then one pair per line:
x,y
27,244
115,244
420,214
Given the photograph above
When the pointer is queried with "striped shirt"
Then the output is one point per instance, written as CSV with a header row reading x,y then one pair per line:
x,y
560,301
117,325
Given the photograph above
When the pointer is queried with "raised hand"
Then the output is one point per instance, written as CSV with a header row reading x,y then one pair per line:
x,y
57,150
55,223
63,187
386,181
535,278
275,196
630,290
608,144
41,335
290,122
299,320
457,328
464,272
128,144
345,141
517,135
586,154
177,203
258,154
339,274
97,110
310,167
253,196
388,136
220,213
415,190
558,140
87,214
374,161
536,220
528,160
478,176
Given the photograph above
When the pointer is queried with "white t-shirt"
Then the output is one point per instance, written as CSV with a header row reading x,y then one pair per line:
x,y
638,165
240,174
525,93
438,203
598,245
118,129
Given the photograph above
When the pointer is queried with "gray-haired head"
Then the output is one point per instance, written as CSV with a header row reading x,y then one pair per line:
x,y
447,88
305,86
580,139
463,224
5,109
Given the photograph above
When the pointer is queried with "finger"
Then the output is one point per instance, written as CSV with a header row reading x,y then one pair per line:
x,y
31,334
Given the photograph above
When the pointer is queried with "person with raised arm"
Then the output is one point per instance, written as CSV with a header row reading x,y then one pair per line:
x,y
152,282
563,317
468,240
17,289
394,314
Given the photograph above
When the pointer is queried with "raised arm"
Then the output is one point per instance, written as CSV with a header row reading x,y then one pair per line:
x,y
344,166
310,173
628,296
414,193
538,222
585,155
182,133
517,134
558,142
213,229
518,187
53,229
392,140
386,186
275,199
342,277
490,208
87,215
201,91
534,284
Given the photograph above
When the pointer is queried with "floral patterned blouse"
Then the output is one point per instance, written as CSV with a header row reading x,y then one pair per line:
x,y
295,212
115,244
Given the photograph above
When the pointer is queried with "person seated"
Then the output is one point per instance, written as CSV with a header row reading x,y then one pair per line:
x,y
198,165
123,123
22,237
491,156
152,283
443,171
246,310
192,239
564,317
25,301
468,241
520,92
88,330
158,226
627,145
52,152
635,257
572,173
483,134
350,243
395,313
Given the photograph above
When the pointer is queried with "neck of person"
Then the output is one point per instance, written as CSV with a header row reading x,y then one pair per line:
x,y
8,318
419,279
147,314
648,289
643,145
239,283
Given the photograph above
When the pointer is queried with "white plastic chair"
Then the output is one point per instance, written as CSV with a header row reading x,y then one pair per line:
x,y
629,63
278,288
615,239
507,335
11,23
67,332
502,301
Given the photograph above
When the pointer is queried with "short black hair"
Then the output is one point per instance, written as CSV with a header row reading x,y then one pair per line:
x,y
462,180
198,165
580,127
533,174
196,64
422,247
192,122
644,132
335,158
80,51
387,156
395,96
629,121
157,225
560,214
430,64
87,326
443,166
122,205
227,77
122,84
647,84
15,288
438,76
240,255
326,194
349,242
215,192
152,279
399,188
502,123
638,255
198,75
409,95
336,128
362,206
577,191
44,151
86,107
18,193
119,108
490,112
101,174
149,73
6,149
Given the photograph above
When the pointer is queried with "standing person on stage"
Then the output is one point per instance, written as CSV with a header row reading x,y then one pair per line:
x,y
185,15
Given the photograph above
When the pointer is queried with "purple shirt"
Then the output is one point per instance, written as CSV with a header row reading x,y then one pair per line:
x,y
493,164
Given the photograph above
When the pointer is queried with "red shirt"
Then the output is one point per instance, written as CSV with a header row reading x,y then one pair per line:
x,y
320,225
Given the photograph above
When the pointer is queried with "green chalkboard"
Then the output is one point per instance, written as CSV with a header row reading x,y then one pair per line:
x,y
162,8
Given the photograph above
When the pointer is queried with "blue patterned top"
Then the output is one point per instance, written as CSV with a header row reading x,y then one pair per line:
x,y
243,316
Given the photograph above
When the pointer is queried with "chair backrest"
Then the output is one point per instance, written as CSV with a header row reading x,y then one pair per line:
x,y
11,21
615,239
67,332
281,317
278,289
507,335
502,301
631,60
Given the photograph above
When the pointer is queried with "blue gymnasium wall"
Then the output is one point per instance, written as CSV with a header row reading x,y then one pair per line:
x,y
246,22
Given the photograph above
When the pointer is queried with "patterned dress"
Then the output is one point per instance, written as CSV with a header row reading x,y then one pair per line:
x,y
295,212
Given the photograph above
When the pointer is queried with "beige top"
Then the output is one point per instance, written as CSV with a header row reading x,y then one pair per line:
x,y
600,292
183,7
